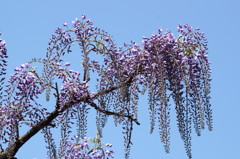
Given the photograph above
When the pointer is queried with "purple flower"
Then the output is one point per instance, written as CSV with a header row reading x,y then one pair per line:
x,y
109,145
67,64
67,37
75,22
134,50
107,39
81,150
83,17
2,43
65,24
3,49
89,22
167,67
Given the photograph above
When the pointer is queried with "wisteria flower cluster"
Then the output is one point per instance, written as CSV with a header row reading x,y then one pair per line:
x,y
72,88
20,104
82,149
183,71
3,64
166,67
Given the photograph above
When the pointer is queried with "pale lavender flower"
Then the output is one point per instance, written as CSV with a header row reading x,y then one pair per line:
x,y
65,24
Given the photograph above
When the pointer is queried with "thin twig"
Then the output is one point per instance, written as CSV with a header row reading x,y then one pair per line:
x,y
91,103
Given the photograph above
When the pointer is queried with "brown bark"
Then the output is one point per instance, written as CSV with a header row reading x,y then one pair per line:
x,y
11,151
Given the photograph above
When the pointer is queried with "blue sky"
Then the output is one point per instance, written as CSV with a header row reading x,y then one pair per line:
x,y
27,26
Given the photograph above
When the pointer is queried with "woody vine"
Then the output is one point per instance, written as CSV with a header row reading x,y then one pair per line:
x,y
164,67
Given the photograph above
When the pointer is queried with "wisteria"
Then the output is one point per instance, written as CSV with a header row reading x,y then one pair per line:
x,y
20,106
82,149
3,64
173,71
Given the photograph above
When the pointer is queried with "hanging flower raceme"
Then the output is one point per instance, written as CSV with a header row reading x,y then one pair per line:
x,y
178,68
20,105
81,149
167,68
3,64
3,49
72,88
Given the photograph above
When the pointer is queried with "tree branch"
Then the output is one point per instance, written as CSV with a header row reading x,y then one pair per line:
x,y
110,89
11,151
91,103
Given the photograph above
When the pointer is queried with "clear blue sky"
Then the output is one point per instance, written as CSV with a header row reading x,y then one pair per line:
x,y
27,25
